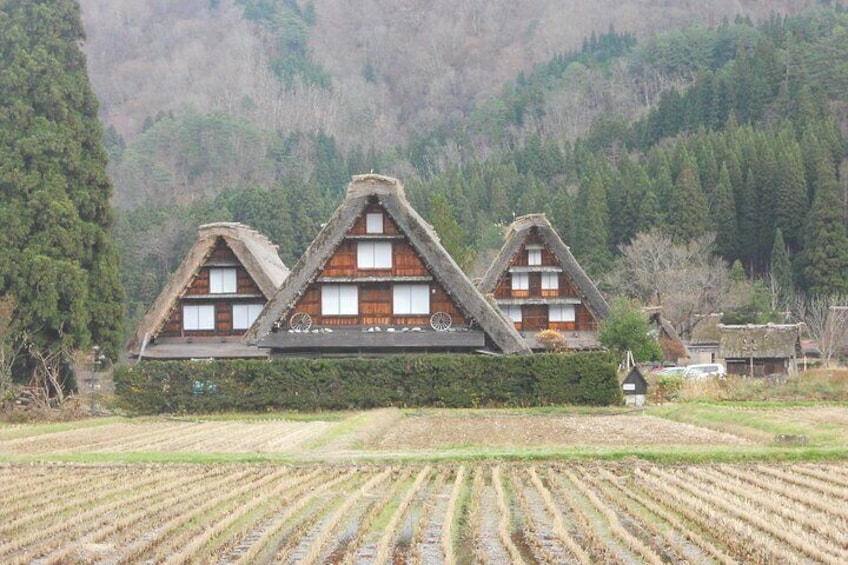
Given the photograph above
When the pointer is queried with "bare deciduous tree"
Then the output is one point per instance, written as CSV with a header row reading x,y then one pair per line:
x,y
684,279
826,318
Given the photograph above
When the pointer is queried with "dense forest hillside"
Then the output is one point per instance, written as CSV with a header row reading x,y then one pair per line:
x,y
716,129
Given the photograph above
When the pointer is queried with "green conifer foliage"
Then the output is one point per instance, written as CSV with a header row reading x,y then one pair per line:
x,y
825,257
592,234
791,189
56,257
724,218
687,212
781,266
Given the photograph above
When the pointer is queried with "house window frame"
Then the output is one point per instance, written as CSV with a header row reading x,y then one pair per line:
x,y
368,258
192,313
550,281
534,255
560,313
339,300
408,299
374,223
511,309
252,312
520,281
223,280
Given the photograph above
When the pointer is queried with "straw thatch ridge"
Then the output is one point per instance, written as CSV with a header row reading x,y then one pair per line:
x,y
255,252
516,235
389,193
760,341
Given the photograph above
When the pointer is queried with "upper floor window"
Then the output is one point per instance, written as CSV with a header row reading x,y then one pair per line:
x,y
199,317
411,299
550,281
520,281
534,255
374,222
339,300
374,255
513,312
222,281
245,314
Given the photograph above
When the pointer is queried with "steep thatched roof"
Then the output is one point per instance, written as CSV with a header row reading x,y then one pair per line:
x,y
672,346
255,252
705,330
760,341
517,234
389,193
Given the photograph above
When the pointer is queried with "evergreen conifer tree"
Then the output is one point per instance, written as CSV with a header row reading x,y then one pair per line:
x,y
56,256
591,237
781,267
724,218
688,211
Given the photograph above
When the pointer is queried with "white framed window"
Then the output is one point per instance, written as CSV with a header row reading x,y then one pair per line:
x,y
550,281
561,313
411,299
534,256
198,316
373,222
520,281
339,300
374,255
222,281
513,312
245,314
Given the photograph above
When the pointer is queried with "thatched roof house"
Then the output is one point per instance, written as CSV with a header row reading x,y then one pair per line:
x,y
213,297
761,349
673,348
377,280
539,285
704,338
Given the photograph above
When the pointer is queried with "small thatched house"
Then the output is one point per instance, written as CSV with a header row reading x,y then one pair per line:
x,y
539,285
213,297
377,280
673,348
761,350
704,338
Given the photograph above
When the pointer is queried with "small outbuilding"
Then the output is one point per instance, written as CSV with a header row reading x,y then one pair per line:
x,y
635,388
760,350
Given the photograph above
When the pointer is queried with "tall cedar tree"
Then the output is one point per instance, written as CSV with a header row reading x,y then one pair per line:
x,y
724,218
688,213
791,189
826,247
56,256
781,267
591,236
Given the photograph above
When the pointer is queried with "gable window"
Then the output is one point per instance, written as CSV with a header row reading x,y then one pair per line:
x,y
245,314
199,317
374,255
534,256
520,281
513,312
339,300
222,281
561,313
373,222
410,299
550,281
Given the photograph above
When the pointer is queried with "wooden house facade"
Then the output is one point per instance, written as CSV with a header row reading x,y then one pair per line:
x,y
213,298
539,285
376,280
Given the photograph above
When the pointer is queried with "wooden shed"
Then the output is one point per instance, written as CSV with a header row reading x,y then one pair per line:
x,y
212,298
635,388
376,280
760,350
539,285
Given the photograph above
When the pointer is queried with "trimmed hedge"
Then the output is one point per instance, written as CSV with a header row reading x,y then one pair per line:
x,y
458,381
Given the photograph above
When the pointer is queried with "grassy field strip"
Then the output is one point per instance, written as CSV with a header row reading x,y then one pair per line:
x,y
372,522
157,506
451,523
209,540
505,522
475,518
390,530
263,546
631,541
64,516
741,508
559,529
174,532
746,543
17,431
804,518
676,529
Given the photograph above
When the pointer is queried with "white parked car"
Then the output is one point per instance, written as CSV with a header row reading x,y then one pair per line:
x,y
705,370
